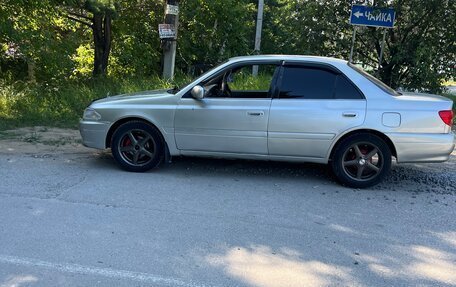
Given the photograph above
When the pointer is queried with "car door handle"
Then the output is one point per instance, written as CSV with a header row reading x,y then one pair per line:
x,y
349,115
255,113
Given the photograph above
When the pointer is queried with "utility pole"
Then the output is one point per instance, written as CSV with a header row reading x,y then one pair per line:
x,y
259,29
168,36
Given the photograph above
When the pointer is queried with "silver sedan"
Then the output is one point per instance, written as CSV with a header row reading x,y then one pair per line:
x,y
285,108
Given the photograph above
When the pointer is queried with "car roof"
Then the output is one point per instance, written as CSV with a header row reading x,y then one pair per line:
x,y
302,58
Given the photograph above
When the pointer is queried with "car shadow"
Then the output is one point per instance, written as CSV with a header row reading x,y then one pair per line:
x,y
195,166
247,167
415,178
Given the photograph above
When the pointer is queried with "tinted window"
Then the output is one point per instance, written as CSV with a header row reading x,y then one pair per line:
x,y
346,90
307,83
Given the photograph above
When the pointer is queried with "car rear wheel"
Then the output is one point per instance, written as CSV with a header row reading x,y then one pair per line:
x,y
137,146
361,160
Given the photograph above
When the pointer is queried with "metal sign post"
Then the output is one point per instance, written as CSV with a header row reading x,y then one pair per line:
x,y
350,60
381,50
372,17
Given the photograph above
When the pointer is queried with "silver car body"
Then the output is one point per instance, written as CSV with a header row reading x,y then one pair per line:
x,y
292,130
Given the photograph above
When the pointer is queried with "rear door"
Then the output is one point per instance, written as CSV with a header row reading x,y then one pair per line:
x,y
315,103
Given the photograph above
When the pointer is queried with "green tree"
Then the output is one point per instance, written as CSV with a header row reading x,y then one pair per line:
x,y
98,15
419,51
35,33
213,30
136,44
48,39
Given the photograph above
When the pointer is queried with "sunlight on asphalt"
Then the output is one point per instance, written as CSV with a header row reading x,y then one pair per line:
x,y
19,281
433,264
344,229
424,263
260,266
448,237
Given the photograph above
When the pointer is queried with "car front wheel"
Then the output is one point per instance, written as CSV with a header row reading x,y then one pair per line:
x,y
137,146
361,160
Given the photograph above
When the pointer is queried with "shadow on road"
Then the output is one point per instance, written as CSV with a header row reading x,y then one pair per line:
x,y
435,178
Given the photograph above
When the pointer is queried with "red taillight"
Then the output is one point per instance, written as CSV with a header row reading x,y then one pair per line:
x,y
447,117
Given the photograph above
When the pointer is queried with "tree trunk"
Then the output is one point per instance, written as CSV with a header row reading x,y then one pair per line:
x,y
107,42
31,71
102,43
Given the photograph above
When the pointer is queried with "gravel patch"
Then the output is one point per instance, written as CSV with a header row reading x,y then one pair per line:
x,y
410,178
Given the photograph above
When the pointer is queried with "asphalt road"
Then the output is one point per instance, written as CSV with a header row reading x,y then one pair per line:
x,y
71,218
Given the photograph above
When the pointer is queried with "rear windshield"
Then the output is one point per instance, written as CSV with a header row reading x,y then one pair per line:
x,y
375,81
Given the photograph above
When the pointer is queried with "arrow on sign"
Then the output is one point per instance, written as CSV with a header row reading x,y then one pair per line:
x,y
358,14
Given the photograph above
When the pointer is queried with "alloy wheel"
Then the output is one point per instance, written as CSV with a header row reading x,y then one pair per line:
x,y
137,147
362,161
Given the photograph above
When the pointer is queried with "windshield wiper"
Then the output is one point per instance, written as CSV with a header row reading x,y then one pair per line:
x,y
174,90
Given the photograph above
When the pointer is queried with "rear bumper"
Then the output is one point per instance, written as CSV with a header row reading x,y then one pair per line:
x,y
93,134
422,147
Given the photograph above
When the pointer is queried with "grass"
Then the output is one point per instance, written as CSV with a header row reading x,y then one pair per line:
x,y
245,82
61,104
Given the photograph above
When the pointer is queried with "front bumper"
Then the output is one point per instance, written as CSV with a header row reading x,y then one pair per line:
x,y
423,147
94,133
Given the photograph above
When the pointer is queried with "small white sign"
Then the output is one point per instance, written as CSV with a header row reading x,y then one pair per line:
x,y
167,31
172,9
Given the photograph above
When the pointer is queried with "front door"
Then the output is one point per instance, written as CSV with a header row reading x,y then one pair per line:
x,y
232,117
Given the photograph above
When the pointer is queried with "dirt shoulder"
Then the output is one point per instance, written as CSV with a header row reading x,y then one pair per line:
x,y
33,140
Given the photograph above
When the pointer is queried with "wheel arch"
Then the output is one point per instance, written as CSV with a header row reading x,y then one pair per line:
x,y
124,120
381,135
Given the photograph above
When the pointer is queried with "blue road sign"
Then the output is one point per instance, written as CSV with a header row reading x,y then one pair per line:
x,y
372,16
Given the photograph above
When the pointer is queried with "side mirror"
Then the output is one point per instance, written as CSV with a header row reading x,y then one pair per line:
x,y
198,92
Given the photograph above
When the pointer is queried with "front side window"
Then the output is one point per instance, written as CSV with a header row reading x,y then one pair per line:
x,y
247,81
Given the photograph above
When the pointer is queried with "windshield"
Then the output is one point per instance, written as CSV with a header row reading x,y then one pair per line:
x,y
375,81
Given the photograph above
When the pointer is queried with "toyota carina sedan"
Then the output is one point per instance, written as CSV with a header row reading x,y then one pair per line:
x,y
285,108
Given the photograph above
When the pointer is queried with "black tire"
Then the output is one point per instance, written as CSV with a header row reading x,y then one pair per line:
x,y
137,146
361,160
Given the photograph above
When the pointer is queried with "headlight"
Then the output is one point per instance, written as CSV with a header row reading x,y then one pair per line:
x,y
91,115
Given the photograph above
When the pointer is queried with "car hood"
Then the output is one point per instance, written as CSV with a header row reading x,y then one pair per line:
x,y
135,96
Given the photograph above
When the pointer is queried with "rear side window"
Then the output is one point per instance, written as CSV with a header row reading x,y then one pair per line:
x,y
316,83
345,90
307,83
